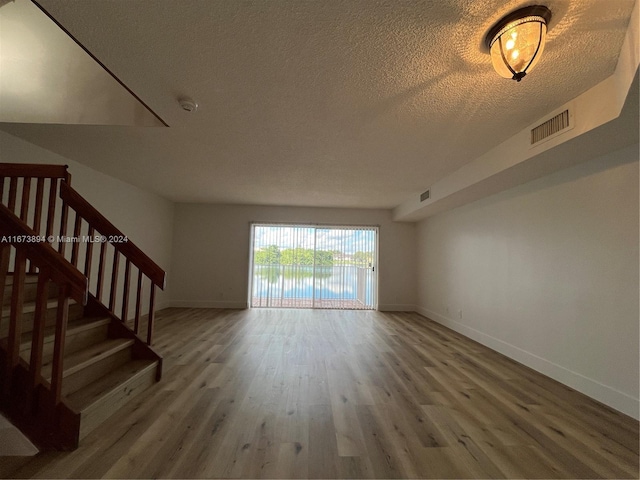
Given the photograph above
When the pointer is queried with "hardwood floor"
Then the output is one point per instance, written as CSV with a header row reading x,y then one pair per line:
x,y
342,394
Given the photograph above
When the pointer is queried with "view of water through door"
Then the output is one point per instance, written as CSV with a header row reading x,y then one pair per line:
x,y
308,266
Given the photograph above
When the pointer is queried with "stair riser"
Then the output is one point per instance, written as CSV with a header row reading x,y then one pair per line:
x,y
75,312
110,404
73,342
30,291
76,381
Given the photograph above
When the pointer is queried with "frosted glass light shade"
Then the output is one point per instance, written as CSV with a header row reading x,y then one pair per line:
x,y
516,42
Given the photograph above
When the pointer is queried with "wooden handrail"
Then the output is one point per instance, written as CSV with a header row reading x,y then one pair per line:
x,y
44,256
34,170
100,224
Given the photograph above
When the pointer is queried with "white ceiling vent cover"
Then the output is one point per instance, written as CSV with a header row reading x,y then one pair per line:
x,y
426,195
554,126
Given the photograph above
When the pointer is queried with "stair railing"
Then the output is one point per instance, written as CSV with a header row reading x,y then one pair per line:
x,y
50,266
99,228
53,223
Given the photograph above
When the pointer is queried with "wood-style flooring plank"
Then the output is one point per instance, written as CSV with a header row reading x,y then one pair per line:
x,y
342,394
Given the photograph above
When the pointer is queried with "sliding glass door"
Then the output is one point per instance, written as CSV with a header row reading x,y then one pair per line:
x,y
309,266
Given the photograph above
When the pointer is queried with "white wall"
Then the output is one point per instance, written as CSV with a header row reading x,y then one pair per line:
x,y
145,218
546,273
211,251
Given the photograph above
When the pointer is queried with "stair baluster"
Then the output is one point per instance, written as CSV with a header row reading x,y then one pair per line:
x,y
37,340
62,318
51,209
37,215
76,245
88,259
114,281
101,267
125,292
15,318
136,325
13,191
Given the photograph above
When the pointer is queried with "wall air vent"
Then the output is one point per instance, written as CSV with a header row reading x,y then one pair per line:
x,y
553,127
425,195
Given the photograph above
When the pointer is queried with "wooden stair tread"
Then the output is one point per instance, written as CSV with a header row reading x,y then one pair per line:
x,y
30,307
74,327
88,356
87,397
28,278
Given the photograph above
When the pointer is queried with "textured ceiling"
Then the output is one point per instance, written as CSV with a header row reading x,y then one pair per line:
x,y
350,103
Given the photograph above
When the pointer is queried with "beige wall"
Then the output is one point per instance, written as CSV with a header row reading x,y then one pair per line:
x,y
211,251
546,273
145,218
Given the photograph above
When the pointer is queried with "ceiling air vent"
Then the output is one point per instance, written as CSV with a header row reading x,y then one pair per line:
x,y
425,195
552,127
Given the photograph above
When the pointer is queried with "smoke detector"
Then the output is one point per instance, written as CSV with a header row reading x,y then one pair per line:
x,y
188,104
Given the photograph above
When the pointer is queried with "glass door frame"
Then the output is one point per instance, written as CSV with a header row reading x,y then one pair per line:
x,y
315,226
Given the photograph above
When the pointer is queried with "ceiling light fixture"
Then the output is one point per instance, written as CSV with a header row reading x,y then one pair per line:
x,y
516,42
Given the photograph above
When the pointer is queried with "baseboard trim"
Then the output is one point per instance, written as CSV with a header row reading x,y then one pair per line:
x,y
161,306
243,305
396,307
609,396
200,304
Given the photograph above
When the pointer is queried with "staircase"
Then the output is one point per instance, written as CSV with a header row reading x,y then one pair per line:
x,y
71,353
